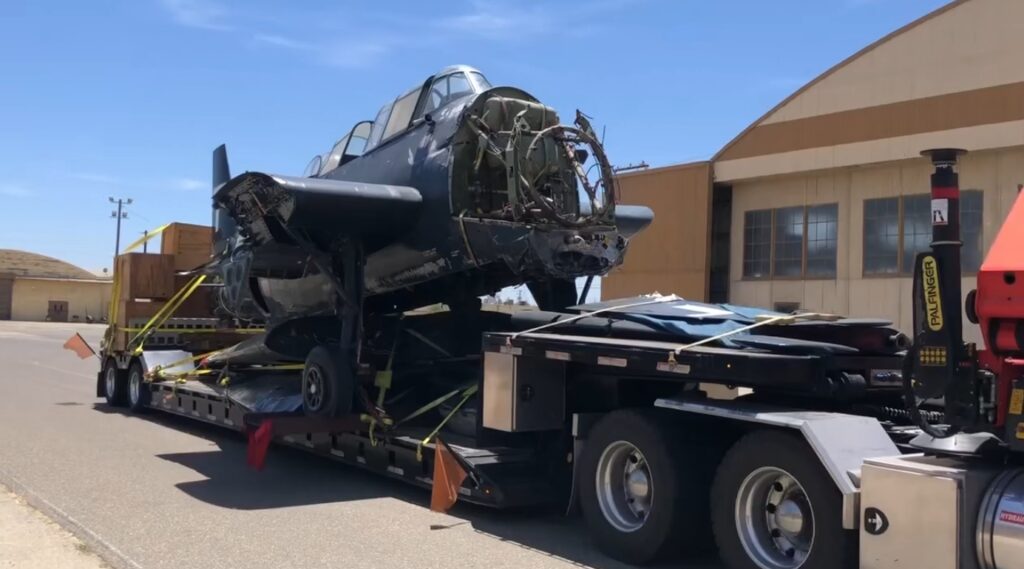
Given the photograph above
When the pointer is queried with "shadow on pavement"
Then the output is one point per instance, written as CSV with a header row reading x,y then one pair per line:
x,y
294,478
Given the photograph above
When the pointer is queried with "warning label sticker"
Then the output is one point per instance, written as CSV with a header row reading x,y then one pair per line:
x,y
1017,402
940,212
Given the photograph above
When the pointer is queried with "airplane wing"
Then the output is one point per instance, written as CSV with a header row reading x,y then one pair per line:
x,y
271,208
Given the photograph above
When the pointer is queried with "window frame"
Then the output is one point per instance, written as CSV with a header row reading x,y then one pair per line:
x,y
416,95
771,243
804,275
901,237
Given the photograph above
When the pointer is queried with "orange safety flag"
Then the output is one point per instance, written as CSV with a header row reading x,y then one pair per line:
x,y
448,477
78,345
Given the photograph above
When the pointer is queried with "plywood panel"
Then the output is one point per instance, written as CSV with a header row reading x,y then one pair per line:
x,y
145,275
671,255
191,245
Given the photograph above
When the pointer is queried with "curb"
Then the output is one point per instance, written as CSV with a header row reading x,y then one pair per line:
x,y
110,554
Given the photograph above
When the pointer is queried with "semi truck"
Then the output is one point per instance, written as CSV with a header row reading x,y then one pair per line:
x,y
787,440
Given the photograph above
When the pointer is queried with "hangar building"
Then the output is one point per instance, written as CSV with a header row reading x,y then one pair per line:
x,y
822,203
40,288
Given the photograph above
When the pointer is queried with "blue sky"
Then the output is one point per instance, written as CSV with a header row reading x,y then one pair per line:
x,y
128,98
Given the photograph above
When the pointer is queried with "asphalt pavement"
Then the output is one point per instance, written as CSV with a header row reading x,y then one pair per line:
x,y
158,492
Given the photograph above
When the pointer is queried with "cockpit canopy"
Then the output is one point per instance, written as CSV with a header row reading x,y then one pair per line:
x,y
437,92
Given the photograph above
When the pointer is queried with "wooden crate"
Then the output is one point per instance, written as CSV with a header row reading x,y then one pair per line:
x,y
191,245
199,304
129,310
145,275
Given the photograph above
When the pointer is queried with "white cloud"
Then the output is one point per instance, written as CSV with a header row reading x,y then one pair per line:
x,y
282,41
12,191
356,54
204,14
497,19
189,184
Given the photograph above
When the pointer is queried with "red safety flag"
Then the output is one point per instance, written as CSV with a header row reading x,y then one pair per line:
x,y
78,345
259,443
448,477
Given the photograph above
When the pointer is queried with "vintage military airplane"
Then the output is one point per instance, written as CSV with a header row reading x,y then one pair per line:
x,y
455,190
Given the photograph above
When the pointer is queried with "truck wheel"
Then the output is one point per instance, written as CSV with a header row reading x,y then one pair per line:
x,y
138,390
643,487
775,507
327,386
115,384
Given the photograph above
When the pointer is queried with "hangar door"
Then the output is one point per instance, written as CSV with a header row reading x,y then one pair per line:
x,y
6,293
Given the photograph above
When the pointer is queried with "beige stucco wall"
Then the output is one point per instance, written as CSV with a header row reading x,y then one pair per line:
x,y
996,173
30,298
974,44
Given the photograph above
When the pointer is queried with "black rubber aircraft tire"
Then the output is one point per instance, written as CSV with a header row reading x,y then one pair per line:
x,y
832,547
328,388
138,396
115,384
679,482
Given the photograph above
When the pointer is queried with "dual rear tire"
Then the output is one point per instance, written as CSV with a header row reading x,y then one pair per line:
x,y
649,485
125,387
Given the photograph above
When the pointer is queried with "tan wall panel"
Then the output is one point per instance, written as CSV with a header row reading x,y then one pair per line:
x,y
671,255
31,297
683,283
990,105
996,173
976,138
973,45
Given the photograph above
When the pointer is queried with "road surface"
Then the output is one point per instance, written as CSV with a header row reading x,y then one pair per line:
x,y
158,492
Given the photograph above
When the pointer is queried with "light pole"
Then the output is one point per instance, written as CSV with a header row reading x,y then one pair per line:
x,y
119,215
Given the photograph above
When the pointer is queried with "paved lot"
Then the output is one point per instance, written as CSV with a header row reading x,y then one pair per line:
x,y
160,492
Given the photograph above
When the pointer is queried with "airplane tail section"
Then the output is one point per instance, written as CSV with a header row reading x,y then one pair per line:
x,y
223,223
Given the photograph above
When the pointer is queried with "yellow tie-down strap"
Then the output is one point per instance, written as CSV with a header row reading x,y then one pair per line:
x,y
164,313
149,235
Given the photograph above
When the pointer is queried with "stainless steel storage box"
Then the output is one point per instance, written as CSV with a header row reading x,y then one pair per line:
x,y
523,393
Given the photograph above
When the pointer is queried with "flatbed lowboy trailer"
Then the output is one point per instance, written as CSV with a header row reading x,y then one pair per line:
x,y
783,439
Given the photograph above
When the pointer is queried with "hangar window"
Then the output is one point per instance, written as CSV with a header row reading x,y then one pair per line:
x,y
791,242
896,229
822,240
917,228
757,243
971,210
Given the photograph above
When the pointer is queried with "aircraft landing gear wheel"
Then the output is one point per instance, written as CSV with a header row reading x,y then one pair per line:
x,y
643,487
138,389
327,384
775,507
115,384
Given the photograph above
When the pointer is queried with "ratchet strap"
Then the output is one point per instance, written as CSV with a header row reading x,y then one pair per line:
x,y
761,321
164,313
149,235
466,394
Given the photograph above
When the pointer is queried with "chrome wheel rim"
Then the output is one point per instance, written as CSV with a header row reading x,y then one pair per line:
x,y
110,380
313,388
625,488
774,519
134,387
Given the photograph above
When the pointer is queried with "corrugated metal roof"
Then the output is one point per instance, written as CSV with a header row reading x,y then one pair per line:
x,y
26,264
